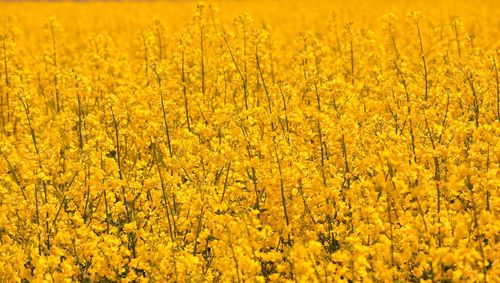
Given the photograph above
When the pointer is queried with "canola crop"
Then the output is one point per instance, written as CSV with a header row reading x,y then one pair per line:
x,y
250,141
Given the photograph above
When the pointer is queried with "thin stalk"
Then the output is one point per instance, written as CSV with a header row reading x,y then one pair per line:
x,y
470,80
54,61
457,38
160,43
268,96
393,39
37,209
12,170
164,112
79,125
171,223
243,77
184,90
437,179
346,162
236,264
282,188
286,113
424,62
269,47
408,110
198,229
7,81
119,161
351,49
106,211
389,214
322,151
225,182
202,58
498,89
146,63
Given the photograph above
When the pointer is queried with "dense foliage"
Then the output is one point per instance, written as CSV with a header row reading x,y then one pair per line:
x,y
229,148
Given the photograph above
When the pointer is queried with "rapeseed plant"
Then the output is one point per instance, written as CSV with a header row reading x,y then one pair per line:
x,y
266,145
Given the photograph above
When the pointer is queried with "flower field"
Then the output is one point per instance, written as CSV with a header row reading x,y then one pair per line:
x,y
250,141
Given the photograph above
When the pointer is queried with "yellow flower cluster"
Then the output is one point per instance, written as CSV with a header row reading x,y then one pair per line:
x,y
249,141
